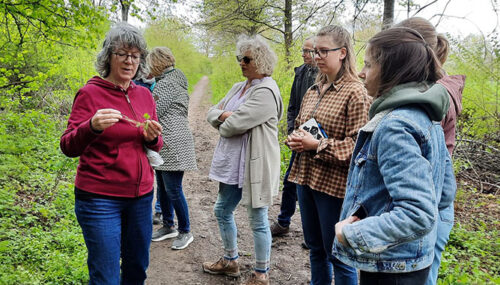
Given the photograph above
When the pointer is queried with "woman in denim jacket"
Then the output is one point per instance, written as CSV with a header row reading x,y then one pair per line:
x,y
454,85
400,173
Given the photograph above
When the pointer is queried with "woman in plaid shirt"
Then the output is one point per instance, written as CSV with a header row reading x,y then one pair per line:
x,y
339,103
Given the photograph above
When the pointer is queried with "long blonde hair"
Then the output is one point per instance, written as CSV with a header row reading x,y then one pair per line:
x,y
340,36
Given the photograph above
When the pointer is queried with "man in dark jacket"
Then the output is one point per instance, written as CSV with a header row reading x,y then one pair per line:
x,y
305,76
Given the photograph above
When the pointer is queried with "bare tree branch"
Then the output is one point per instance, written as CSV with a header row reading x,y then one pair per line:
x,y
270,39
310,15
262,23
268,4
444,10
421,8
357,12
335,12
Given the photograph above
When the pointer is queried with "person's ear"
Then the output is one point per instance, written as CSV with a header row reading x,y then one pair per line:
x,y
343,53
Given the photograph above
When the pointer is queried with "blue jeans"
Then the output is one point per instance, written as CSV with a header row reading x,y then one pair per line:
x,y
172,198
320,212
157,204
288,198
112,229
444,226
228,198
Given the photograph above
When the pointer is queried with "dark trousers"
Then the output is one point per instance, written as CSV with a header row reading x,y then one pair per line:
x,y
320,212
288,198
172,198
381,278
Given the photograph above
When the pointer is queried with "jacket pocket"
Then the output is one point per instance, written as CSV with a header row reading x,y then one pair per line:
x,y
361,212
358,210
256,169
125,168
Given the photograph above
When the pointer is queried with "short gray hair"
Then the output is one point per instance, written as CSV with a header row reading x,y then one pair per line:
x,y
122,35
264,57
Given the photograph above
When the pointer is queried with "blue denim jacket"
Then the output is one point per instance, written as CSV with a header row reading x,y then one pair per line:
x,y
400,175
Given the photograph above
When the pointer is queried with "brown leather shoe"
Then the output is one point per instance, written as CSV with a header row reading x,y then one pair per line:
x,y
277,230
222,267
253,280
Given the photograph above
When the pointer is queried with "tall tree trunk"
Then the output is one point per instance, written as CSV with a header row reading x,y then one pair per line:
x,y
288,31
388,18
125,7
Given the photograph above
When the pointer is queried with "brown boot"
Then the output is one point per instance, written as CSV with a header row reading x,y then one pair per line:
x,y
277,230
254,280
222,267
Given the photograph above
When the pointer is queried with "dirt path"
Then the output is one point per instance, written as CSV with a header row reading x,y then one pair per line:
x,y
289,262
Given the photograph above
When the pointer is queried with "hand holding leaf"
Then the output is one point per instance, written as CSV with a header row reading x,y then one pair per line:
x,y
153,131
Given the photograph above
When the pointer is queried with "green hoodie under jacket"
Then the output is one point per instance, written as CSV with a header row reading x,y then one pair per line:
x,y
433,98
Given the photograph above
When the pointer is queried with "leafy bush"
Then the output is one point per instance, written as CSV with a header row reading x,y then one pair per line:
x,y
479,60
41,69
40,240
471,257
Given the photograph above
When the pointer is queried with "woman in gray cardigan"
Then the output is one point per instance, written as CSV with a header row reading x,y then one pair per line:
x,y
178,153
246,161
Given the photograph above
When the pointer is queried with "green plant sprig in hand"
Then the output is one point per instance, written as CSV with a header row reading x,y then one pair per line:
x,y
146,116
138,124
132,121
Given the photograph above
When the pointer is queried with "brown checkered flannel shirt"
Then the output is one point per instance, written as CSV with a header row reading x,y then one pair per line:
x,y
343,110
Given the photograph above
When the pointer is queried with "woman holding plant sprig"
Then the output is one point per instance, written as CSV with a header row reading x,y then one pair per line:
x,y
178,153
107,129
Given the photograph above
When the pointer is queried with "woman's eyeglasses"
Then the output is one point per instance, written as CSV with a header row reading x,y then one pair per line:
x,y
323,53
124,57
245,59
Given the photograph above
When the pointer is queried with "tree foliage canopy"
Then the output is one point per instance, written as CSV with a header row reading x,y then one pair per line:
x,y
33,36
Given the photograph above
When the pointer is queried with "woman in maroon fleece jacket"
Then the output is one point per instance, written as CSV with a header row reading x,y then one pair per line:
x,y
107,129
454,84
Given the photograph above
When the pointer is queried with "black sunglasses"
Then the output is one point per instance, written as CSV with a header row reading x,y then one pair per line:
x,y
245,59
